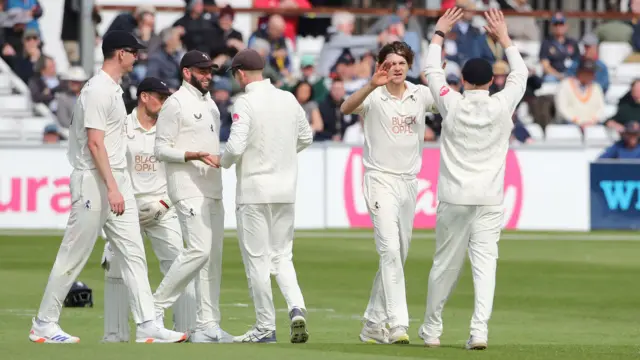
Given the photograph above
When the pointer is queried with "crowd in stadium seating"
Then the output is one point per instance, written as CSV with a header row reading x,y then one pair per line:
x,y
579,80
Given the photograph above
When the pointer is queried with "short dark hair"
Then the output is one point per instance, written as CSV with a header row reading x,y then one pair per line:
x,y
400,48
302,83
108,53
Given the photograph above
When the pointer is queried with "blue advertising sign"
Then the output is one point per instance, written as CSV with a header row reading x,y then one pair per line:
x,y
615,195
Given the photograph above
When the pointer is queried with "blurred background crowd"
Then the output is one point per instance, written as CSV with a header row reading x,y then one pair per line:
x,y
580,87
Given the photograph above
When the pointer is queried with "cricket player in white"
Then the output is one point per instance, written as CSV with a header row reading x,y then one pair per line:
x,y
264,143
102,196
475,136
394,113
158,219
188,141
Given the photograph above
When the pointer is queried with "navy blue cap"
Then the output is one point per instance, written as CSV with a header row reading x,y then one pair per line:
x,y
118,39
152,84
558,18
477,71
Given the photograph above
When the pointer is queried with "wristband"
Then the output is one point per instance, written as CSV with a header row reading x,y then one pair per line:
x,y
439,33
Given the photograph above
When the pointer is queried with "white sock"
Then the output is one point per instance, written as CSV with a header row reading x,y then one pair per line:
x,y
116,309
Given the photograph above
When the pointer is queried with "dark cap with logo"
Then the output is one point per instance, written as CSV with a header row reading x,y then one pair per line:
x,y
197,59
152,84
558,18
247,59
118,39
477,71
587,65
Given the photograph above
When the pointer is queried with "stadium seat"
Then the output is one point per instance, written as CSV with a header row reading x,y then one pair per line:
x,y
5,84
529,48
615,92
309,45
609,111
9,129
568,134
547,89
597,135
613,54
33,124
627,73
535,130
11,103
523,113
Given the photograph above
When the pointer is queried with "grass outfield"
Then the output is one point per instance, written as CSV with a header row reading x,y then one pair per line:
x,y
554,300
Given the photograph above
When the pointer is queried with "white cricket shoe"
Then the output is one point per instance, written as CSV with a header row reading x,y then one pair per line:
x,y
257,335
50,333
429,341
158,334
475,343
298,331
214,334
374,334
398,335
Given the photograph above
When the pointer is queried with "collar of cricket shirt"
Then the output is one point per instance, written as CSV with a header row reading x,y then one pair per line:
x,y
136,123
192,89
257,84
410,91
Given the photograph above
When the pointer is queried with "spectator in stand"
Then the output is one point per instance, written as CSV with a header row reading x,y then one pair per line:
x,y
164,63
520,133
23,63
627,147
221,95
291,22
579,99
345,69
614,30
304,93
366,66
558,52
434,121
73,81
635,43
521,27
44,84
403,14
470,41
129,21
14,23
52,135
146,34
30,6
334,121
451,67
70,35
308,74
590,44
354,135
199,28
273,33
341,37
264,49
500,72
628,109
228,39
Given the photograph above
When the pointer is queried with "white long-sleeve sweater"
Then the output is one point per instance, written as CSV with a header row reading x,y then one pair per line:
x,y
269,129
476,129
189,121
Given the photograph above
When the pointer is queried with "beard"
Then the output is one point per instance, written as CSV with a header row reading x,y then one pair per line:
x,y
198,85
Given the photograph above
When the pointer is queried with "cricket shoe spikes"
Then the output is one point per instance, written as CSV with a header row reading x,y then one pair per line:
x,y
257,335
398,335
214,334
155,334
50,333
429,341
476,344
374,334
298,333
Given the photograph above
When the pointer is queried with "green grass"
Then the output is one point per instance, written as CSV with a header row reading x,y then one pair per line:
x,y
554,300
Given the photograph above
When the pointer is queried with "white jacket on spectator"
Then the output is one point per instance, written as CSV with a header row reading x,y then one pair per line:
x,y
269,128
189,121
577,105
476,129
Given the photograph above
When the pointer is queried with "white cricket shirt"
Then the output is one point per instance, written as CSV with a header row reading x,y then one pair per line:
x,y
100,106
269,129
476,129
148,175
394,129
189,121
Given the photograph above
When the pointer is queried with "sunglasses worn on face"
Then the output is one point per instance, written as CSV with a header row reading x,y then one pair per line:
x,y
29,38
131,51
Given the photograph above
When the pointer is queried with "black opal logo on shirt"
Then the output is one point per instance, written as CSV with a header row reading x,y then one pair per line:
x,y
403,125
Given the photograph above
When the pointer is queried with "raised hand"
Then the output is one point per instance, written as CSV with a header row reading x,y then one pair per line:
x,y
450,18
381,75
496,26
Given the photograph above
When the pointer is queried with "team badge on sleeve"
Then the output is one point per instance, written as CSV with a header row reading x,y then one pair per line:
x,y
444,90
235,117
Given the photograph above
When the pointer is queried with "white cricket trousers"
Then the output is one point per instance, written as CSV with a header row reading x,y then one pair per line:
x,y
391,200
265,235
202,223
166,241
90,212
462,228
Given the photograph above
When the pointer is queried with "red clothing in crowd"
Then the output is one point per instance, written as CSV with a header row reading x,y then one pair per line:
x,y
448,4
291,29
